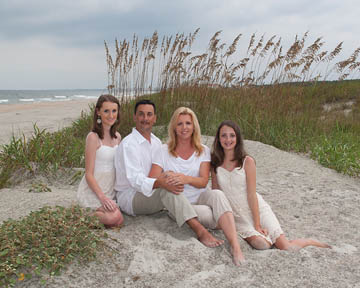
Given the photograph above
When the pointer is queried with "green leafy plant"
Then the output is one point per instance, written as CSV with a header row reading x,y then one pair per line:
x,y
39,187
46,241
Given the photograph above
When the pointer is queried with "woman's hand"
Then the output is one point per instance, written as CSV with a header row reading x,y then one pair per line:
x,y
261,230
108,204
176,179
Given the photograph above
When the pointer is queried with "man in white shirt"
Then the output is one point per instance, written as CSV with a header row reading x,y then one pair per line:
x,y
136,193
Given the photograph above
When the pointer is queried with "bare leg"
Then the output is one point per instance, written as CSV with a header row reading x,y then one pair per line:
x,y
227,224
284,244
110,218
203,235
258,242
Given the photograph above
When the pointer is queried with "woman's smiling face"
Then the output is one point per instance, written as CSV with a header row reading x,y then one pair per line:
x,y
184,126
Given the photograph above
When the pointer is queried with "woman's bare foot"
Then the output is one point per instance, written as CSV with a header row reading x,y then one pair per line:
x,y
204,236
209,240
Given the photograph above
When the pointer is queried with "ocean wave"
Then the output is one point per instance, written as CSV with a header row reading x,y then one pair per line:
x,y
85,97
45,99
60,97
27,100
4,101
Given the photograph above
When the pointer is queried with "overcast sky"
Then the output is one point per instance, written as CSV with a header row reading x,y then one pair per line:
x,y
59,44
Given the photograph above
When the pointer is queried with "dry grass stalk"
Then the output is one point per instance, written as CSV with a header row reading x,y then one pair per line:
x,y
147,67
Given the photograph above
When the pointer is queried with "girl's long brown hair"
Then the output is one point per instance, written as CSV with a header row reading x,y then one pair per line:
x,y
217,152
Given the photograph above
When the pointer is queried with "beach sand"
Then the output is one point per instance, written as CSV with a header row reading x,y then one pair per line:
x,y
151,251
19,119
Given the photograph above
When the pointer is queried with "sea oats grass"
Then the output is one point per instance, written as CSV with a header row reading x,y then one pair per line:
x,y
277,94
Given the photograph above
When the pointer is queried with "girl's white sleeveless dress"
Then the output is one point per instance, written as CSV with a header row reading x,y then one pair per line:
x,y
233,184
104,173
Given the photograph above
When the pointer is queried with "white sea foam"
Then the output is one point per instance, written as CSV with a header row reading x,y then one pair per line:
x,y
85,97
45,99
60,97
4,101
27,100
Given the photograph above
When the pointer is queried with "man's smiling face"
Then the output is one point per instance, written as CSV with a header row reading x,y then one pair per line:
x,y
144,118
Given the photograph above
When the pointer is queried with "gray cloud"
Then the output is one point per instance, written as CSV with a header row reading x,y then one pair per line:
x,y
83,25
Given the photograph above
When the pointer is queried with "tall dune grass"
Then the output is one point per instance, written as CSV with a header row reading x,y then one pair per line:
x,y
152,66
277,94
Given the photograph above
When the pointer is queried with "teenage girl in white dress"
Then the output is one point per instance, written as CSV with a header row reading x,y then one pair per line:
x,y
234,172
96,189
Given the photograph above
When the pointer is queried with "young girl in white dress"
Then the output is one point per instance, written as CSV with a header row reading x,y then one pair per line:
x,y
96,189
234,172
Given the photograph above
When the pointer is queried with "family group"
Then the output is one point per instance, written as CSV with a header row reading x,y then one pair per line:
x,y
138,175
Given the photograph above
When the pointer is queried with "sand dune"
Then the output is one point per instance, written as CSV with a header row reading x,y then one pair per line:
x,y
151,251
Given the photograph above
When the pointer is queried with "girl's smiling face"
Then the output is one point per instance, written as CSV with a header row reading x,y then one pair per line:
x,y
227,138
108,113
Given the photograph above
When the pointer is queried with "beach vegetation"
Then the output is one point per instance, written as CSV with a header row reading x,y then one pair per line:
x,y
43,243
301,97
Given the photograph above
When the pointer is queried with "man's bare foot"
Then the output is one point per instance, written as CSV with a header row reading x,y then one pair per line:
x,y
238,257
209,240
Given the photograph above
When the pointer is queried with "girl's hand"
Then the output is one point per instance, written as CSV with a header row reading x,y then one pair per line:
x,y
108,204
261,230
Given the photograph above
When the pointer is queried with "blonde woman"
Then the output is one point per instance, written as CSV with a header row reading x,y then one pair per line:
x,y
188,163
96,189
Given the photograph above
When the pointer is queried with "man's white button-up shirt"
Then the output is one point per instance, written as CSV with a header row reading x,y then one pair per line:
x,y
133,160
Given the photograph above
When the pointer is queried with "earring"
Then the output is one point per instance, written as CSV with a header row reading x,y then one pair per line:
x,y
98,121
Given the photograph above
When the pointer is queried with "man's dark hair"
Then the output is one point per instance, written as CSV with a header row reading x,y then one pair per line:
x,y
144,102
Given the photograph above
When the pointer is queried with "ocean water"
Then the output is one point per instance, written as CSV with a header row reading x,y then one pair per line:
x,y
33,96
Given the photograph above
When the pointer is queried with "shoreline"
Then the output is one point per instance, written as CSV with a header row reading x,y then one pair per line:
x,y
18,119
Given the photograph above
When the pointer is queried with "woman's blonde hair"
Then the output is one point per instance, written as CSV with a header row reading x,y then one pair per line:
x,y
195,137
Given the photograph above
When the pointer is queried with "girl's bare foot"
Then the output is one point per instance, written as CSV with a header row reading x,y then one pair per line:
x,y
319,244
238,257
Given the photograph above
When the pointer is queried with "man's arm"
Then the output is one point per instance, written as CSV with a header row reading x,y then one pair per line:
x,y
127,158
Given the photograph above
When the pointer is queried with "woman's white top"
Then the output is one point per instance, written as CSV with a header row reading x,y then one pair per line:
x,y
189,167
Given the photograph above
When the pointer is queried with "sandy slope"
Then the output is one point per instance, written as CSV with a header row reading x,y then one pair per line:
x,y
150,251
